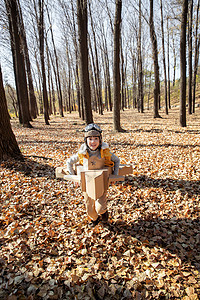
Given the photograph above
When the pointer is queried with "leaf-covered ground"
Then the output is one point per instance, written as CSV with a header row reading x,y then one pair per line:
x,y
150,250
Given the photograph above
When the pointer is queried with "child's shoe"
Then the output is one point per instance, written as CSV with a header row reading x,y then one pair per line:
x,y
104,217
94,223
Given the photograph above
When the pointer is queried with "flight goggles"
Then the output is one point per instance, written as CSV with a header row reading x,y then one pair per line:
x,y
92,126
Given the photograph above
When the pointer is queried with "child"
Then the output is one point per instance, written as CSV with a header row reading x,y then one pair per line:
x,y
93,146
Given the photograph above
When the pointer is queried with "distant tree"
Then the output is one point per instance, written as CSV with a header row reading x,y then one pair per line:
x,y
82,18
196,57
96,67
106,64
8,143
168,62
190,26
155,59
183,63
164,62
41,47
60,100
140,71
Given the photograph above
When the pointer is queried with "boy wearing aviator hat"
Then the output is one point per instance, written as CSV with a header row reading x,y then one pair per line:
x,y
94,146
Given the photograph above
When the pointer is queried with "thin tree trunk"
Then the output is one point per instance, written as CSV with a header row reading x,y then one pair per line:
x,y
155,58
190,25
174,68
49,78
41,41
122,104
140,70
168,62
98,77
164,63
57,68
196,58
183,63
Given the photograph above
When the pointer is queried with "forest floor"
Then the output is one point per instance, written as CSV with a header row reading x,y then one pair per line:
x,y
151,247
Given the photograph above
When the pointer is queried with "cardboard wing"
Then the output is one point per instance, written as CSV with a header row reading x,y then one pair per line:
x,y
125,169
63,173
94,181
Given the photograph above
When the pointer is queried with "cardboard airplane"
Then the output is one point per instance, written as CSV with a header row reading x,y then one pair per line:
x,y
94,179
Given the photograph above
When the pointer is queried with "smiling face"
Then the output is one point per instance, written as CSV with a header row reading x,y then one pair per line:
x,y
93,142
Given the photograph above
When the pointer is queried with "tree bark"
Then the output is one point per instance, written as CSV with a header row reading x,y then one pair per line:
x,y
155,58
183,64
83,52
116,66
164,63
41,41
8,143
174,67
18,62
32,98
190,25
140,71
196,57
168,68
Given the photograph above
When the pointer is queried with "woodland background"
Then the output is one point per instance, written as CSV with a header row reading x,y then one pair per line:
x,y
98,55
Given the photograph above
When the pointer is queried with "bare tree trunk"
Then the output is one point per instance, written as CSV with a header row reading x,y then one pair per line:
x,y
84,71
107,67
41,40
69,79
18,61
8,143
183,63
93,80
97,69
122,105
168,62
190,25
32,98
196,58
49,78
116,66
174,68
164,63
140,70
53,96
134,76
155,58
108,79
57,68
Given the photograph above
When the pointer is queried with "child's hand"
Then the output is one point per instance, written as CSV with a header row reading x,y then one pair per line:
x,y
76,184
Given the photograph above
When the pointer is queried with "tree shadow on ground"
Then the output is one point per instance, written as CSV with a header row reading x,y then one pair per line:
x,y
154,145
158,130
178,236
190,187
30,167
